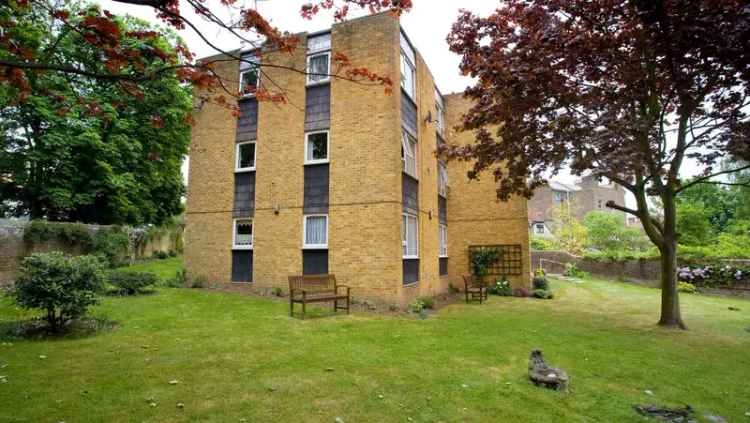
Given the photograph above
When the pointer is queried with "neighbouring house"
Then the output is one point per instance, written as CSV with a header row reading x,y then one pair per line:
x,y
586,195
342,179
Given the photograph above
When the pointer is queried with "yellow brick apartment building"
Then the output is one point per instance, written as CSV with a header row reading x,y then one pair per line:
x,y
342,179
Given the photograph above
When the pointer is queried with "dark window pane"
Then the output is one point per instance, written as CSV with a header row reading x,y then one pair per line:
x,y
246,155
317,146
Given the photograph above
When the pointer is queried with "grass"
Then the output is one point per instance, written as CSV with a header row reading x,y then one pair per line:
x,y
163,269
238,357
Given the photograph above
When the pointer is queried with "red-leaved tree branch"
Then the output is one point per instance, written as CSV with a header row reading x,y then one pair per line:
x,y
124,64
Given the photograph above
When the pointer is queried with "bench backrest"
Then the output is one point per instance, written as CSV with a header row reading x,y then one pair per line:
x,y
472,280
324,282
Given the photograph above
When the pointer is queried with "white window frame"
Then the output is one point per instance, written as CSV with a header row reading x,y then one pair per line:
x,y
442,179
235,246
408,57
237,167
328,147
406,143
405,235
327,77
439,113
244,68
443,247
307,246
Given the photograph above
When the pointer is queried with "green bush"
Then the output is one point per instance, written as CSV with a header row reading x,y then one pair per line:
x,y
172,253
543,294
481,260
40,231
63,287
452,289
131,282
541,244
112,244
277,292
686,287
427,302
199,281
160,255
416,306
572,270
501,287
178,281
540,282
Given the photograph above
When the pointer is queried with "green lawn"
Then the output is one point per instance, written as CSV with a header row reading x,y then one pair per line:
x,y
238,357
164,269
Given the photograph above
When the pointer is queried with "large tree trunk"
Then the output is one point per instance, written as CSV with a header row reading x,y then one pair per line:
x,y
670,302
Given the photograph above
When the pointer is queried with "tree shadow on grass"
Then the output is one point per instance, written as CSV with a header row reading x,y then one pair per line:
x,y
37,329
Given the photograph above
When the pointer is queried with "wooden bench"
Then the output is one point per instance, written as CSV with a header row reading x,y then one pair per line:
x,y
305,289
474,288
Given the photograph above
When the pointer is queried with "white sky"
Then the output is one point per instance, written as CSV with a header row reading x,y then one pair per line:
x,y
427,24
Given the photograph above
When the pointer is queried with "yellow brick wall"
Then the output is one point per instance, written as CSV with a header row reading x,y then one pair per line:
x,y
210,198
365,203
475,215
365,179
279,174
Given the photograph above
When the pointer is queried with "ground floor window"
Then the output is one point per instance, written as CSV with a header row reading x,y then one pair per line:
x,y
242,266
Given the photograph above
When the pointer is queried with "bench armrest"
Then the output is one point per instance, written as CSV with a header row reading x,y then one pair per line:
x,y
343,286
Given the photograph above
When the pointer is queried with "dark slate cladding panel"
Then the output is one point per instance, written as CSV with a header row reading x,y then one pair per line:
x,y
408,115
316,189
247,123
314,262
443,209
318,107
242,266
244,194
409,192
443,266
411,270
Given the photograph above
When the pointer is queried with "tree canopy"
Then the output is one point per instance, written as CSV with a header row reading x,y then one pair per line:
x,y
624,89
76,147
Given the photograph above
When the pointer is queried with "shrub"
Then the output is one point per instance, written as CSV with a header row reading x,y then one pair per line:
x,y
172,253
572,270
199,281
427,302
277,292
542,293
178,281
521,292
452,289
713,275
541,244
130,282
111,244
540,282
500,287
686,287
64,287
481,260
160,255
540,272
416,306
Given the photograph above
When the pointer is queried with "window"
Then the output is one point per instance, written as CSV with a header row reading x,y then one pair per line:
x,y
560,197
315,231
318,68
408,73
442,179
443,240
249,74
242,238
409,236
316,147
439,113
409,154
539,228
245,157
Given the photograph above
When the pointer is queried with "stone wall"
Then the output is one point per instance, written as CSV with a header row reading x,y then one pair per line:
x,y
13,248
